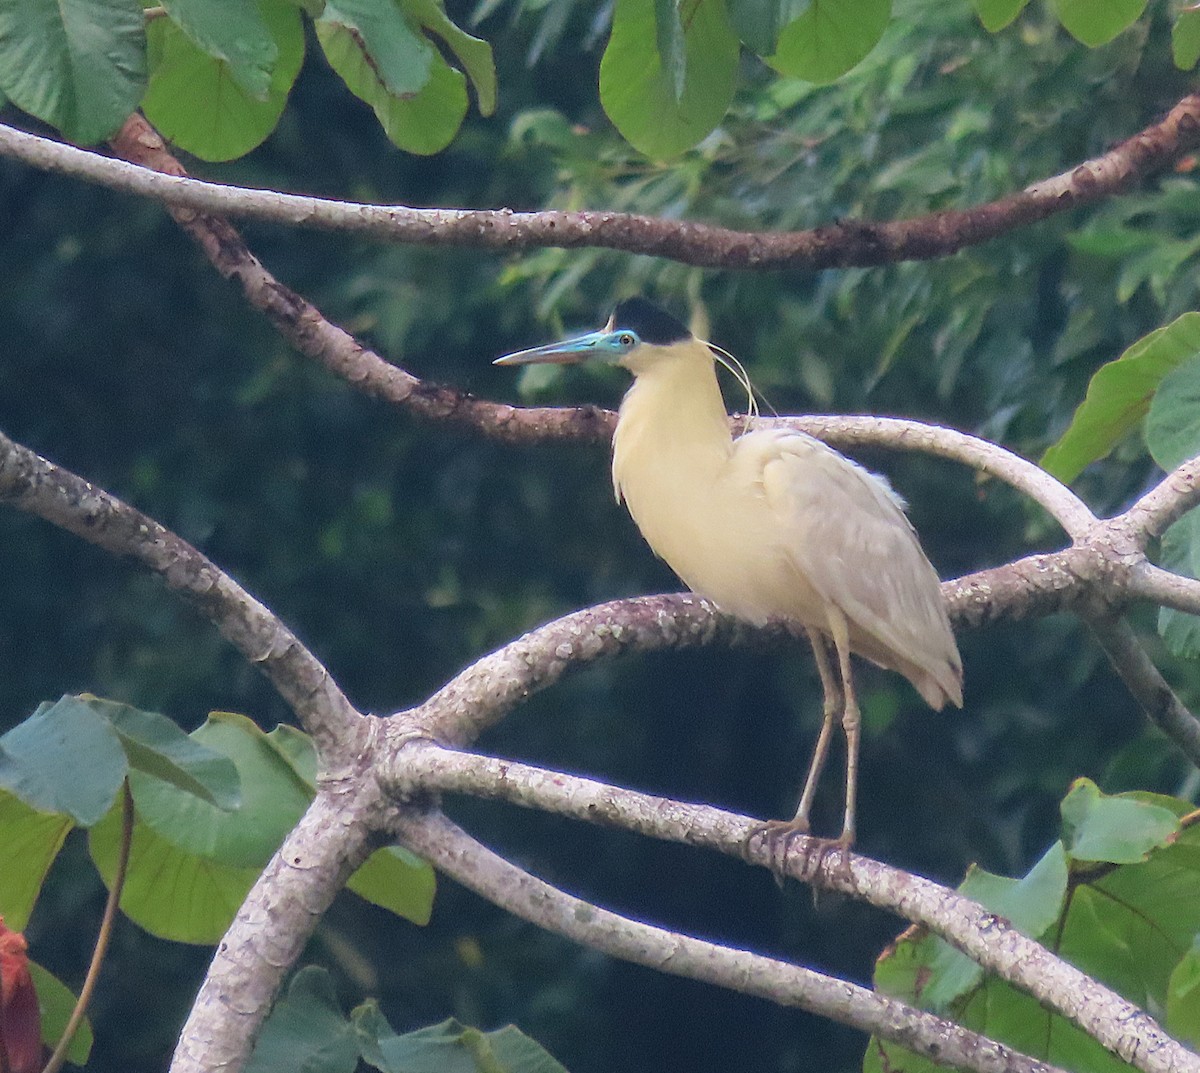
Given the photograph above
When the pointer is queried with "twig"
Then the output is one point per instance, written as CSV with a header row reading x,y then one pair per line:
x,y
852,242
984,937
460,856
103,936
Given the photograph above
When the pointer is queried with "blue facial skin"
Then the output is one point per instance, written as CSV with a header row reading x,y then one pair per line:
x,y
607,347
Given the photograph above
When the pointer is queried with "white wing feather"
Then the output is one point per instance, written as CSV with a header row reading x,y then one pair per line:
x,y
850,538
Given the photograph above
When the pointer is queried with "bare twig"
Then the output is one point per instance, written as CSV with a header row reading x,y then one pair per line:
x,y
460,856
37,486
851,242
986,938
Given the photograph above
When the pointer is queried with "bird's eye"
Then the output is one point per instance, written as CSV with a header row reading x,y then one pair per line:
x,y
625,339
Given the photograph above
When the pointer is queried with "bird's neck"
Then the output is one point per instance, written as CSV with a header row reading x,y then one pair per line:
x,y
673,416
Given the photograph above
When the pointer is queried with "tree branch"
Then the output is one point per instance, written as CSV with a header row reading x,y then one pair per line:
x,y
849,243
986,938
1148,518
1056,498
272,927
303,325
1162,707
454,852
37,486
1150,582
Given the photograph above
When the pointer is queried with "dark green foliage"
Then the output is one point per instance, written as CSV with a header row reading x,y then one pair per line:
x,y
1114,897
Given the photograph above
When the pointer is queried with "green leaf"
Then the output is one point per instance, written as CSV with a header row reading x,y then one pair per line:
x,y
996,14
424,122
671,45
234,33
1183,997
307,1031
79,66
169,892
273,799
474,54
56,1001
1185,38
758,22
1180,553
1112,829
830,38
65,758
197,100
156,746
1125,925
1096,22
1173,436
392,877
396,880
933,973
1173,422
1119,395
30,844
638,89
452,1047
400,59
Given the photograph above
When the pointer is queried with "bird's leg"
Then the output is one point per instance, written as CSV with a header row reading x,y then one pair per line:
x,y
833,706
777,835
851,726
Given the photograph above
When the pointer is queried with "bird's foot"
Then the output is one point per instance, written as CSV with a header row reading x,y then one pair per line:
x,y
777,837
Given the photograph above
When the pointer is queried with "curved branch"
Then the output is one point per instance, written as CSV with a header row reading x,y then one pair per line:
x,y
850,243
1176,494
1056,498
986,938
454,852
303,325
37,486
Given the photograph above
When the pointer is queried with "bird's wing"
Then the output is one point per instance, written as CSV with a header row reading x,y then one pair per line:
x,y
847,534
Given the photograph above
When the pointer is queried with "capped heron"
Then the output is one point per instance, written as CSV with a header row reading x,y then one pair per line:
x,y
771,524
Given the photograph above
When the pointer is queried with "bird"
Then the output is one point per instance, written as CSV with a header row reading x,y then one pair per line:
x,y
769,525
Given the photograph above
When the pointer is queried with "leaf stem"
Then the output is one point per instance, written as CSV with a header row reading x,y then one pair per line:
x,y
103,936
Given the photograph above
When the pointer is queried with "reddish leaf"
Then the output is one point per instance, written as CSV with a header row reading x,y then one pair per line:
x,y
20,1019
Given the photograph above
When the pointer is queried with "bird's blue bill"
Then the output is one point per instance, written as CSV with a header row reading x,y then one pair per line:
x,y
604,345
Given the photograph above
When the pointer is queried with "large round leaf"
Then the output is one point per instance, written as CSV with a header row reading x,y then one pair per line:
x,y
664,91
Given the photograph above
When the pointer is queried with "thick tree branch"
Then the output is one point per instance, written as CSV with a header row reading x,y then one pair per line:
x,y
273,925
37,486
850,243
454,852
988,939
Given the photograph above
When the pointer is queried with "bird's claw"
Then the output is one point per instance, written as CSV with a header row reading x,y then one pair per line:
x,y
777,837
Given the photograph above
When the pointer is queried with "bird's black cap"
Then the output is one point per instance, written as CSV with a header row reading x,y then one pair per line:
x,y
651,323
